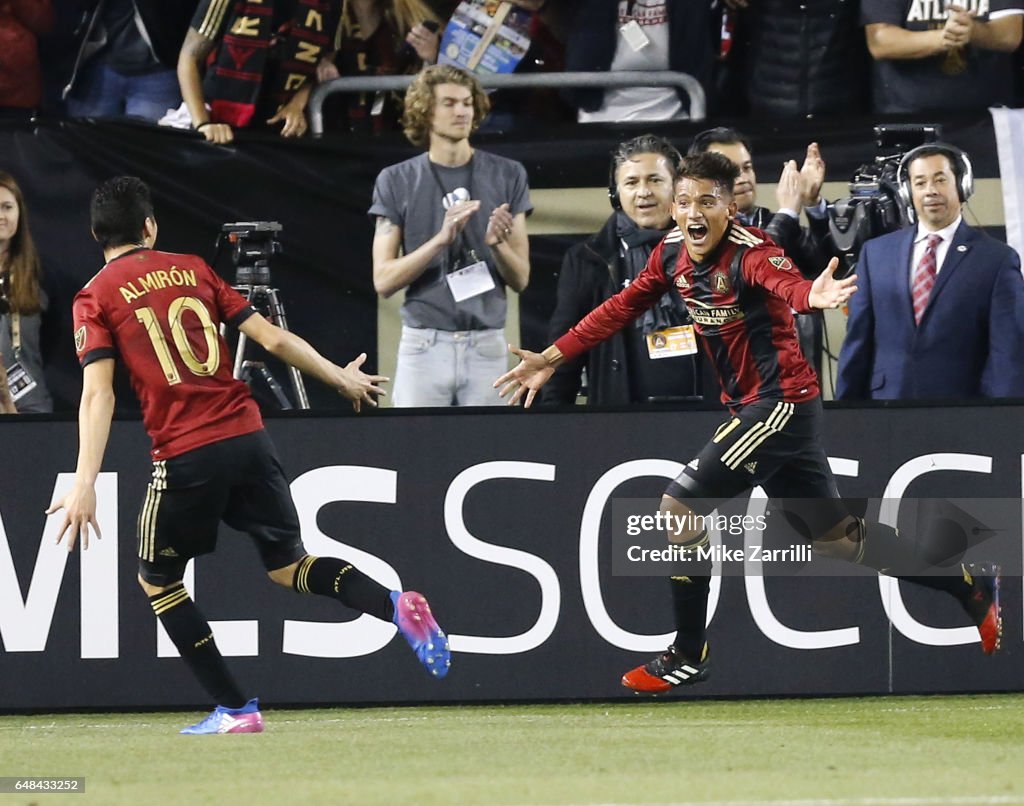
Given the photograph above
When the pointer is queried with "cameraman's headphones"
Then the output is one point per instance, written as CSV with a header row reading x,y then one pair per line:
x,y
644,144
962,171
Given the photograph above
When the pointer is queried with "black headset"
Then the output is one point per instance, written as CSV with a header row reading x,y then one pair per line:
x,y
962,170
644,144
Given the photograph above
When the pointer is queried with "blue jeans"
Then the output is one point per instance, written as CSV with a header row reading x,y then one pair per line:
x,y
449,368
101,92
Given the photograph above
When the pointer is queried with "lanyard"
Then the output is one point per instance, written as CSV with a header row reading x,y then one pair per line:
x,y
458,247
16,333
440,184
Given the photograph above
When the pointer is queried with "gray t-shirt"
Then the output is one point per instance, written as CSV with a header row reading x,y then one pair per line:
x,y
410,195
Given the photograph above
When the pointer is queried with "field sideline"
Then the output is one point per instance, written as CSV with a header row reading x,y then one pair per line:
x,y
881,751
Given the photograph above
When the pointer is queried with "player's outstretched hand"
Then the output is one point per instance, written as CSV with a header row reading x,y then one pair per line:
x,y
357,386
527,377
79,507
828,292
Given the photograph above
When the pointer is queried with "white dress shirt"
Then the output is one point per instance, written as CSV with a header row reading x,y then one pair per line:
x,y
921,241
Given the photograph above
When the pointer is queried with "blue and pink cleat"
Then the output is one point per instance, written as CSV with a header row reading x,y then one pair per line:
x,y
246,719
418,626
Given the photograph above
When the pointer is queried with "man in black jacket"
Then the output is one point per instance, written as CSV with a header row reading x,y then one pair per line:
x,y
798,188
655,358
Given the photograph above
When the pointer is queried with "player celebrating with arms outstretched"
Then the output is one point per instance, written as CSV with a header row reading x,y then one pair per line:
x,y
740,290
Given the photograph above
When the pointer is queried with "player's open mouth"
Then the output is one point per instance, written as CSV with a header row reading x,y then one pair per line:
x,y
696,232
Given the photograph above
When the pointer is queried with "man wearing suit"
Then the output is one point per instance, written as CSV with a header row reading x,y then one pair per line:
x,y
940,311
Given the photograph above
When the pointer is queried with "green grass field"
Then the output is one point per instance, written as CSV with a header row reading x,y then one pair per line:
x,y
893,751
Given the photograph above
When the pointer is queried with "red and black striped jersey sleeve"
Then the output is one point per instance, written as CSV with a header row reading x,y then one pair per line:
x,y
768,267
614,314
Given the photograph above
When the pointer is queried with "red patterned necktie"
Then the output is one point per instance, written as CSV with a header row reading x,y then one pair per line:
x,y
924,277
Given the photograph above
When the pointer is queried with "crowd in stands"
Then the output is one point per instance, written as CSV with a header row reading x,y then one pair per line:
x,y
253,62
217,66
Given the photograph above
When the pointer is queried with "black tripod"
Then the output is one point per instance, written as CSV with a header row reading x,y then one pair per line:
x,y
254,243
266,301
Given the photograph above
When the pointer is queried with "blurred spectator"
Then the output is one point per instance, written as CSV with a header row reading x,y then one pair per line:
x,y
126,56
930,56
798,189
548,22
22,302
802,59
940,308
378,38
641,35
451,231
515,109
264,66
638,364
21,83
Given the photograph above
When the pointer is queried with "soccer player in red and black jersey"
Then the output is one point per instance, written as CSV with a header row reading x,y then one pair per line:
x,y
160,313
740,290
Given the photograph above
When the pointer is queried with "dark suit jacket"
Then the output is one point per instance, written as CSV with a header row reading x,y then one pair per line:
x,y
970,342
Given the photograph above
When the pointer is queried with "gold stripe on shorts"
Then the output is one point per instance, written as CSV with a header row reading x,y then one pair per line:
x,y
760,431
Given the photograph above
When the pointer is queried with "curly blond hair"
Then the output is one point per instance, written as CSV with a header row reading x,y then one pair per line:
x,y
419,100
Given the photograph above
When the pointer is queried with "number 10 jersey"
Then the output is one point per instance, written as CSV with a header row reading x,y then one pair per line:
x,y
161,314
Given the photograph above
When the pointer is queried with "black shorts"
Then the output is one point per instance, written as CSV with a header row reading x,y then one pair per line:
x,y
238,481
771,444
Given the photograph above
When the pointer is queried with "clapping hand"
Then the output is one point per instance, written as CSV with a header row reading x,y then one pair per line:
x,y
812,176
455,219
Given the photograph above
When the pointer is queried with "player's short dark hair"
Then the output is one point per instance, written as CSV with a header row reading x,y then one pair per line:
x,y
646,144
724,135
712,166
118,211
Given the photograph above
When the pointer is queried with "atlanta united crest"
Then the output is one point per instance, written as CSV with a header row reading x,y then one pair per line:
x,y
720,282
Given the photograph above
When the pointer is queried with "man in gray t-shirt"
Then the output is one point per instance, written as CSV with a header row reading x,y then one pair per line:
x,y
451,231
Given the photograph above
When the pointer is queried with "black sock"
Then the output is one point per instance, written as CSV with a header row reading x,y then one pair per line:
x,y
882,548
192,636
690,602
885,550
329,576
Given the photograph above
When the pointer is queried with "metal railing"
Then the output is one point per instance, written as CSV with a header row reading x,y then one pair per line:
x,y
663,78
